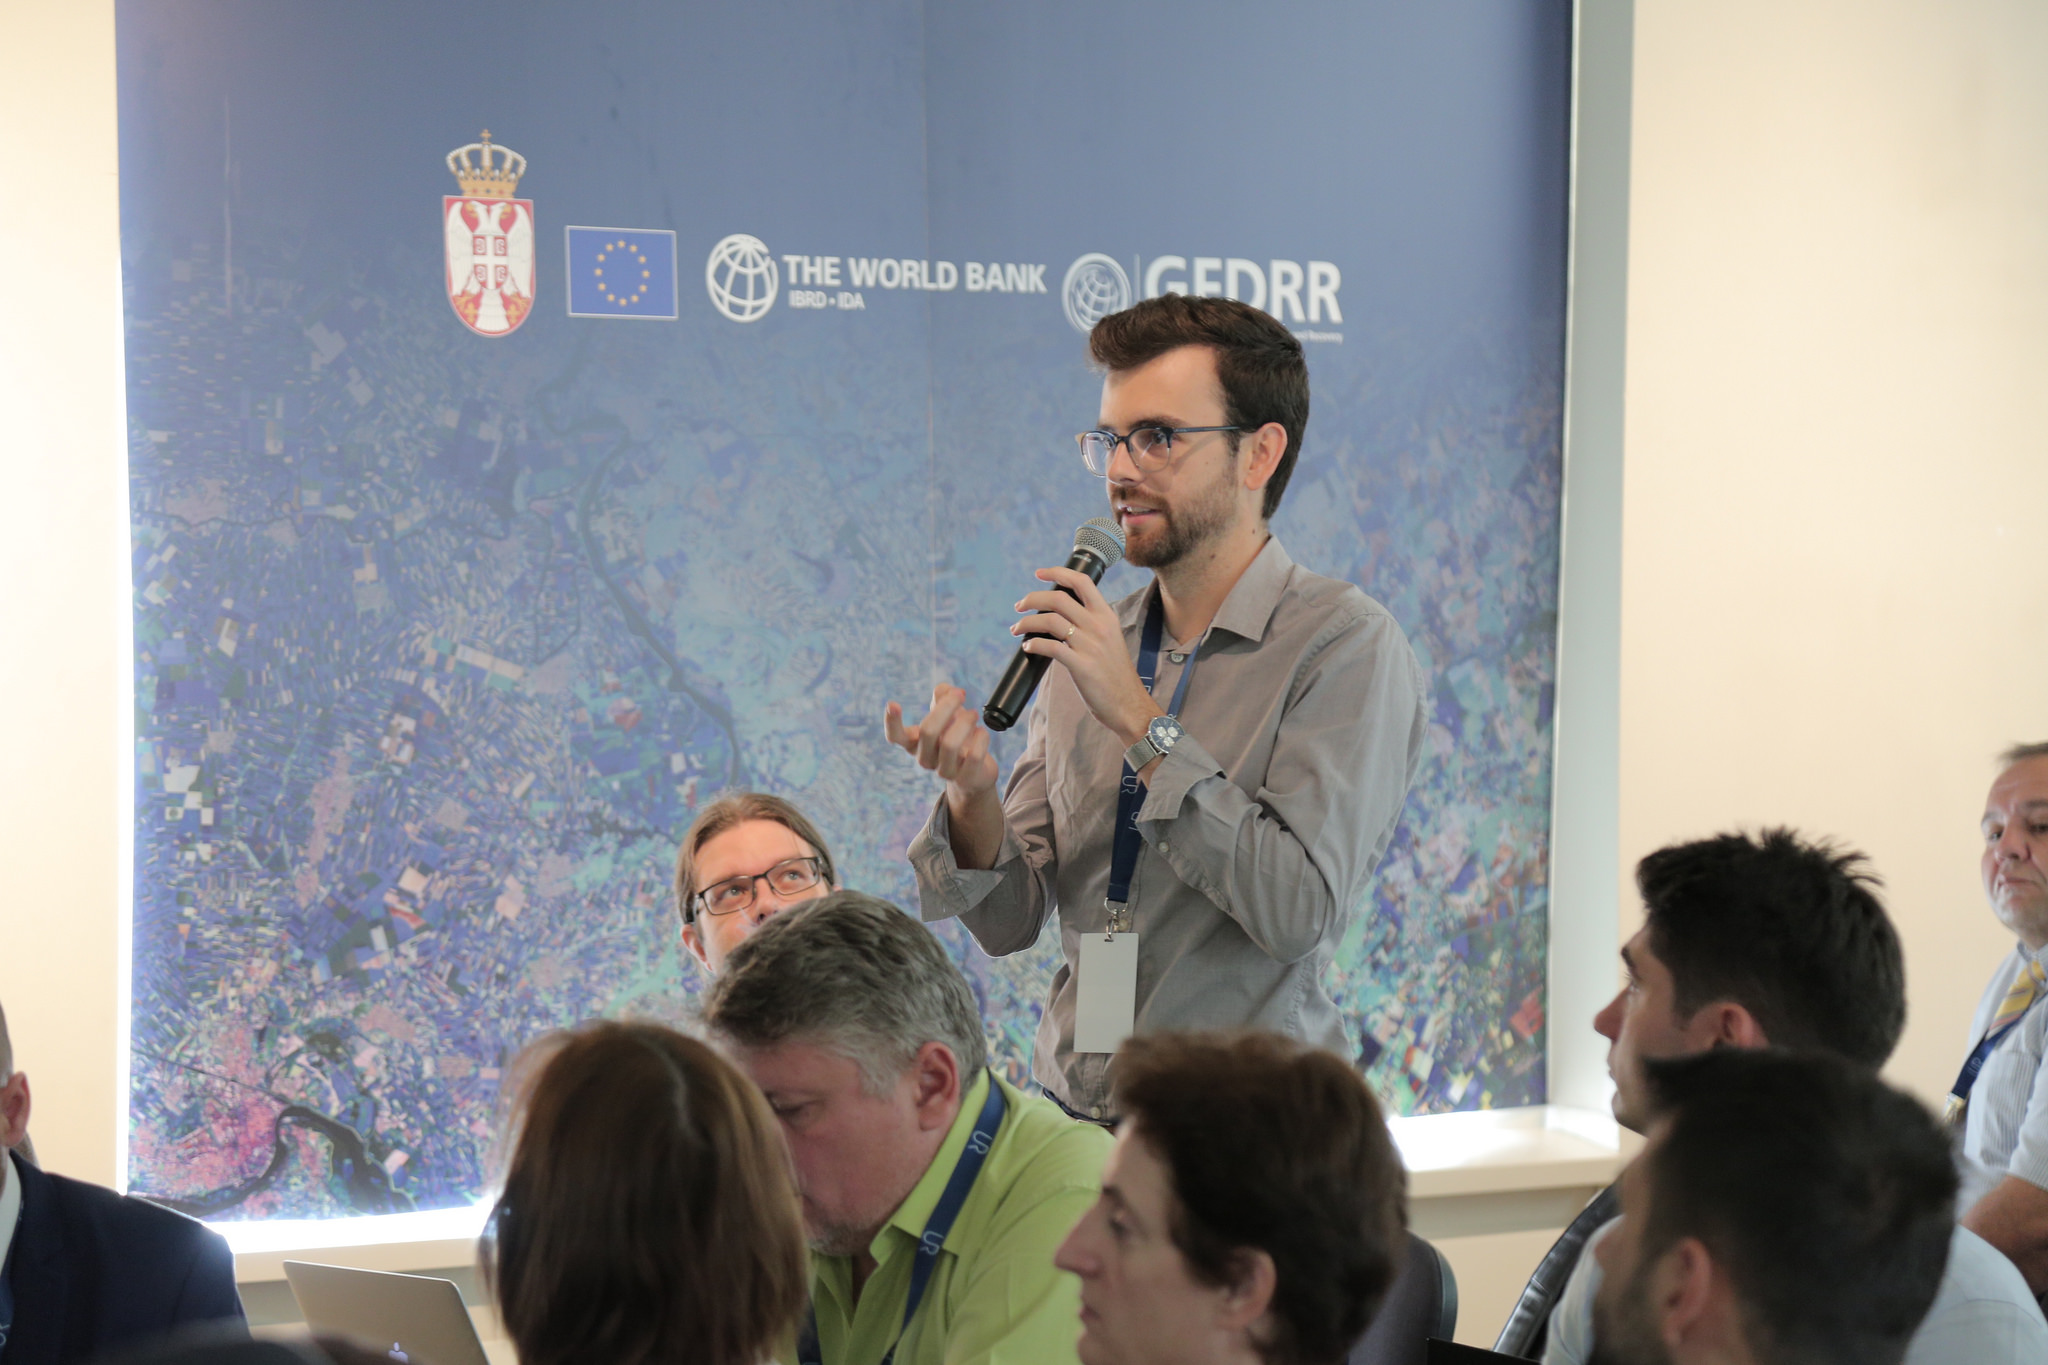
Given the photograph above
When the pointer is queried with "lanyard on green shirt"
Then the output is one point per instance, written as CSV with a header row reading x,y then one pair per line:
x,y
936,1227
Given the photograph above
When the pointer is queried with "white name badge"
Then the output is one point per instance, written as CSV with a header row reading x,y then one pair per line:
x,y
1106,998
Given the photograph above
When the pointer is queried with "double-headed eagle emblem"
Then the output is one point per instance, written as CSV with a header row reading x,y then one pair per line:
x,y
490,239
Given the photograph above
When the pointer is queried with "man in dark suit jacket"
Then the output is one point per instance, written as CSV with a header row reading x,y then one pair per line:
x,y
84,1270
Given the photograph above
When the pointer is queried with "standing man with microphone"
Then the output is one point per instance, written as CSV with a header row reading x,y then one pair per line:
x,y
1215,763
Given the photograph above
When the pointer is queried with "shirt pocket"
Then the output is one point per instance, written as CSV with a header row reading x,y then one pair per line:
x,y
2001,1093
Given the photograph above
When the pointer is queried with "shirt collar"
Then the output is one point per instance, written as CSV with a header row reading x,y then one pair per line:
x,y
1253,598
10,1203
916,1209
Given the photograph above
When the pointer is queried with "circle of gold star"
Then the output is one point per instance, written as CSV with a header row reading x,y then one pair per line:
x,y
622,279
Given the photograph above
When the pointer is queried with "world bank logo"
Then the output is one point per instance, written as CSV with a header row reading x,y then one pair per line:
x,y
741,278
1095,287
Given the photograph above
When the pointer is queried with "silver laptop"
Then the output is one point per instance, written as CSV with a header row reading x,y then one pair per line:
x,y
416,1318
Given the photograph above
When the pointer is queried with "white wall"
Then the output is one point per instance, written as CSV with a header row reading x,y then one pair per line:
x,y
1835,586
63,530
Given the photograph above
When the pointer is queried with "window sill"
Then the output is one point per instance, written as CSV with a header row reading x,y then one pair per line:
x,y
1470,1172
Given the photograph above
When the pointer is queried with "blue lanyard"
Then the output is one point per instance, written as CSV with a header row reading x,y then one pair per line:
x,y
1966,1080
1130,796
808,1352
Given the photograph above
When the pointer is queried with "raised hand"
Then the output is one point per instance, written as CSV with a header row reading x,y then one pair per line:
x,y
950,741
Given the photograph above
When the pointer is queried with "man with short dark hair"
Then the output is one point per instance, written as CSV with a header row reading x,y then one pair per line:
x,y
1750,942
1787,1210
746,856
1224,827
84,1270
933,1190
1254,1210
1998,1106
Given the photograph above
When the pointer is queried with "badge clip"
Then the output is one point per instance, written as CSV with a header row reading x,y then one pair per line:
x,y
1119,917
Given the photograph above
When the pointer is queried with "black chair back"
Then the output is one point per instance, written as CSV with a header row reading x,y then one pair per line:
x,y
1422,1303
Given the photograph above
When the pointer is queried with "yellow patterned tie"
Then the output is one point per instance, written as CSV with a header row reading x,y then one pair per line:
x,y
2024,988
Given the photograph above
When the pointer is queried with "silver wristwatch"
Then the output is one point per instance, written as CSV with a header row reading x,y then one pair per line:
x,y
1157,742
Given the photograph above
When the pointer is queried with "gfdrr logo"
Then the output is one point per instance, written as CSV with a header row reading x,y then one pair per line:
x,y
741,278
1292,291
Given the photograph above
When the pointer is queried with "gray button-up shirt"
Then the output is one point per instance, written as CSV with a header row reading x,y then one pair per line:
x,y
1262,828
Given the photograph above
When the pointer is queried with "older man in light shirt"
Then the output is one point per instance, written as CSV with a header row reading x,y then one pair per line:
x,y
1999,1104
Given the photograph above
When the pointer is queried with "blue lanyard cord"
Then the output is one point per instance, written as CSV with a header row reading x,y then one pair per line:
x,y
1966,1079
1130,795
958,1186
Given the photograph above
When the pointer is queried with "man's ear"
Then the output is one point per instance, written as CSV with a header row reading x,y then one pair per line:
x,y
1734,1026
1250,1291
1259,455
1684,1291
935,1086
694,941
14,1107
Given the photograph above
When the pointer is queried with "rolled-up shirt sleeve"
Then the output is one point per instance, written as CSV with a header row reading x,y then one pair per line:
x,y
1291,860
1005,906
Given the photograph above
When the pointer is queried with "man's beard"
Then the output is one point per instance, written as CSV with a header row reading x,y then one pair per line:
x,y
1622,1332
1187,528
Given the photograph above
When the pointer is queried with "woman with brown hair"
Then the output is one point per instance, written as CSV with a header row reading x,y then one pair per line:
x,y
648,1214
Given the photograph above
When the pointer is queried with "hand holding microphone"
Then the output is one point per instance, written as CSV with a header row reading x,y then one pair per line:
x,y
1098,543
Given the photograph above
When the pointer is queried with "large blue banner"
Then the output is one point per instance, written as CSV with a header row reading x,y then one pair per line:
x,y
499,500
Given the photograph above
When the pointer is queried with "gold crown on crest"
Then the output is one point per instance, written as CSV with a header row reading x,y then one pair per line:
x,y
483,176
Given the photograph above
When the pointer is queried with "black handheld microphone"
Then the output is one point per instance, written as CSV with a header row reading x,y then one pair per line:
x,y
1098,543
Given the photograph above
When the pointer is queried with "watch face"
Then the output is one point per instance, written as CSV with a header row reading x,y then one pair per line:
x,y
1163,732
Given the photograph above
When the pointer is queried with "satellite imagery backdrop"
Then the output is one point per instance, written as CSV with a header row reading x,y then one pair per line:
x,y
444,628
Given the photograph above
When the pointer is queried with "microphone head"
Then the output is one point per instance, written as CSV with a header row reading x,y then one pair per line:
x,y
1102,538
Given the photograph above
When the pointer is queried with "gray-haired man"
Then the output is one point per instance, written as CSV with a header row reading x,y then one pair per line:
x,y
1999,1104
934,1191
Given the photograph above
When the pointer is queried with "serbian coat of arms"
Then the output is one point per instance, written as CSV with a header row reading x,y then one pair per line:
x,y
490,239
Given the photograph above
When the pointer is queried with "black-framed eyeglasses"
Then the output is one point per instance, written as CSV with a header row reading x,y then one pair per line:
x,y
1150,446
735,894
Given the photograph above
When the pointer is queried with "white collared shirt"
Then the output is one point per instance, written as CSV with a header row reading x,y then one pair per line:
x,y
10,1203
2005,1129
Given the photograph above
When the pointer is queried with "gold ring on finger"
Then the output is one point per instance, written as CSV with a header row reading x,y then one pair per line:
x,y
1071,631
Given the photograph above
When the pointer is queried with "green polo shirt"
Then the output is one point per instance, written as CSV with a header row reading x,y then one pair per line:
x,y
994,1296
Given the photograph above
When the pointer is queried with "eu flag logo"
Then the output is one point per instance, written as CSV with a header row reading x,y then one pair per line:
x,y
622,273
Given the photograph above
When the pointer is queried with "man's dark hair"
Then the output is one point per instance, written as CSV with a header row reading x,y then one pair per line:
x,y
1827,1196
1788,928
1258,363
1281,1148
2020,753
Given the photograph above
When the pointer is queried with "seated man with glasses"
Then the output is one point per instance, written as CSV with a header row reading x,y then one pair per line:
x,y
746,856
1203,842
